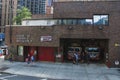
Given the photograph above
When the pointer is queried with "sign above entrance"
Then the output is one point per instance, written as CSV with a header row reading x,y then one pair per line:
x,y
23,38
45,38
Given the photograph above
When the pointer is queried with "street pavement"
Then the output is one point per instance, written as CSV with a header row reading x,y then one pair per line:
x,y
7,76
63,71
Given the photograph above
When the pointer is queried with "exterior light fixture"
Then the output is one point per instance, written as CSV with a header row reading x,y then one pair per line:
x,y
42,27
100,27
70,27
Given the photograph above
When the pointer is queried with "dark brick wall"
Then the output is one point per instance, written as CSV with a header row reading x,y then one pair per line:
x,y
87,10
40,16
35,33
56,32
77,10
84,9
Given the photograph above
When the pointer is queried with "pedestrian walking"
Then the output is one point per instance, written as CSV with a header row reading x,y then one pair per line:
x,y
32,58
10,57
28,59
76,57
87,57
82,56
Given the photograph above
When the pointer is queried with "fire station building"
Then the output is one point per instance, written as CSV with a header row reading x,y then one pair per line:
x,y
84,24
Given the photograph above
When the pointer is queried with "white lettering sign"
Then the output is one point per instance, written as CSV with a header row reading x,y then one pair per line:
x,y
23,38
45,38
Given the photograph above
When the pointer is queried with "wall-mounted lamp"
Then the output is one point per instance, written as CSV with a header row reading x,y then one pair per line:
x,y
70,27
42,27
100,27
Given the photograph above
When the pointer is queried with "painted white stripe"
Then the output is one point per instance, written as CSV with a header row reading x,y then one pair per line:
x,y
43,79
4,79
7,77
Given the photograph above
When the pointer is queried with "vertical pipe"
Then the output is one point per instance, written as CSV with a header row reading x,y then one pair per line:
x,y
10,21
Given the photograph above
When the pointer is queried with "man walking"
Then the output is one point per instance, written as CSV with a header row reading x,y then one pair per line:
x,y
76,57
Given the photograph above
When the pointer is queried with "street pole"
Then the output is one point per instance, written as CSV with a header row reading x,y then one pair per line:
x,y
0,15
10,20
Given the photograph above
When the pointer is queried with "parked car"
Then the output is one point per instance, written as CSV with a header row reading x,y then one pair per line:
x,y
94,52
71,51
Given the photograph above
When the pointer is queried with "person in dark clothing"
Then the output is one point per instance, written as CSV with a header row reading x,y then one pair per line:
x,y
87,57
11,57
82,56
28,59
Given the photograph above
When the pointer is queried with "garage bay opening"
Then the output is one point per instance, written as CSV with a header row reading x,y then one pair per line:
x,y
96,48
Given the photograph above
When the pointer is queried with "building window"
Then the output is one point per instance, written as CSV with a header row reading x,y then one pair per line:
x,y
74,21
100,19
59,22
20,50
49,2
64,22
85,21
70,22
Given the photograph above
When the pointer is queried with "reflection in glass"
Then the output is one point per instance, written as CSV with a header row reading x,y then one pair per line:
x,y
85,21
74,21
64,21
69,21
89,21
100,19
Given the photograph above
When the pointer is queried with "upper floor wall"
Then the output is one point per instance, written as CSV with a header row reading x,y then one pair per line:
x,y
80,0
33,35
84,9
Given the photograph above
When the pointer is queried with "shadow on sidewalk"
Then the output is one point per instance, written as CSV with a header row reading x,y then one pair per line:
x,y
3,68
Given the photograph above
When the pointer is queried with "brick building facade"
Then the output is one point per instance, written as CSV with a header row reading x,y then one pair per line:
x,y
54,40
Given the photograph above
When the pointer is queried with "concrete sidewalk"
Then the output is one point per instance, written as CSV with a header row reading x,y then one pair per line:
x,y
67,71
